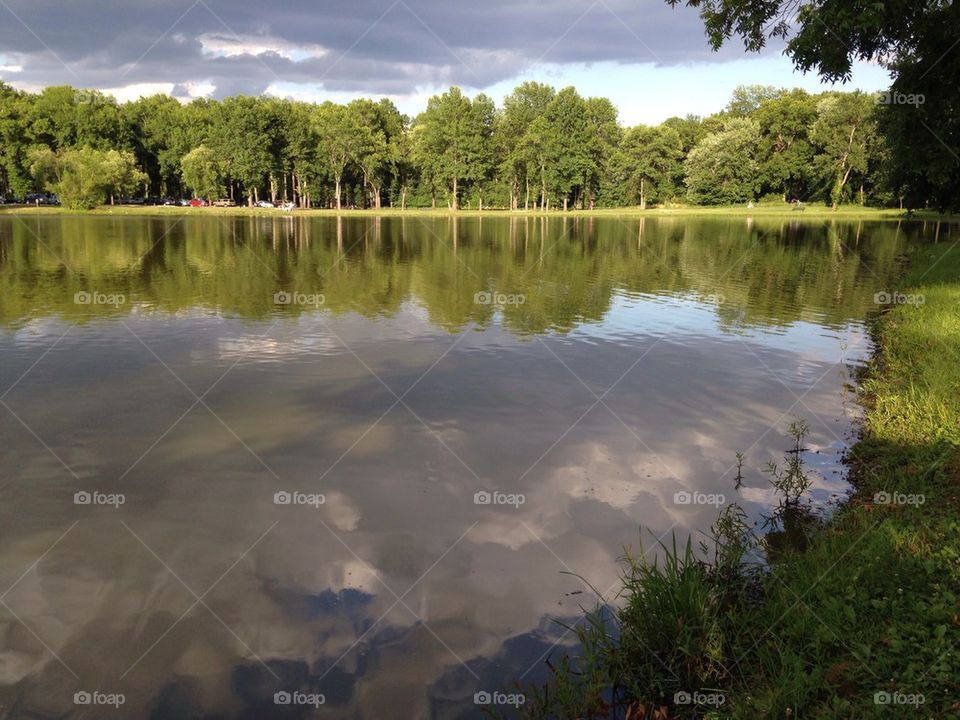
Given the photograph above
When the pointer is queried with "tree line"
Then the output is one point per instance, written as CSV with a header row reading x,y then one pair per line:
x,y
542,149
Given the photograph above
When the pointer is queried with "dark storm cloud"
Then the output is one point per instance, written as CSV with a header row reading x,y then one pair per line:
x,y
373,46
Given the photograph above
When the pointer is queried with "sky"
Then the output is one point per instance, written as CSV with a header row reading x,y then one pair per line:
x,y
652,60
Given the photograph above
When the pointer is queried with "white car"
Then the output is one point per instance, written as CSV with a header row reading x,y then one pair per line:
x,y
265,204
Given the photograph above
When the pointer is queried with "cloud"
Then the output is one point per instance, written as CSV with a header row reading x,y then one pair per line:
x,y
392,47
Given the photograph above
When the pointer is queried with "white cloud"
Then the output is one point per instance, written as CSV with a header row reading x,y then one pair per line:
x,y
218,45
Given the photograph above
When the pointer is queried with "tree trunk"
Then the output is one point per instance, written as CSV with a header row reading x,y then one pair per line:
x,y
456,204
526,199
565,203
336,181
643,196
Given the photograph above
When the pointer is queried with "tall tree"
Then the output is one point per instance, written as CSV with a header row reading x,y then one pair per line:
x,y
521,108
237,136
455,139
568,143
201,172
844,132
915,41
338,130
786,154
648,160
722,168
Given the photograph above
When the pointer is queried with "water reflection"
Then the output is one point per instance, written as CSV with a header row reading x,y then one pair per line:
x,y
644,354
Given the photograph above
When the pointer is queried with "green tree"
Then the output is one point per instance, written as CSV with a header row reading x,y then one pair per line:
x,y
454,140
914,41
845,131
239,137
82,178
648,159
568,144
339,132
785,153
14,114
380,123
121,176
604,137
723,167
518,166
201,172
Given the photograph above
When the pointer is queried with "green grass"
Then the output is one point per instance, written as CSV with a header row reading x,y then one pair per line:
x,y
818,212
871,604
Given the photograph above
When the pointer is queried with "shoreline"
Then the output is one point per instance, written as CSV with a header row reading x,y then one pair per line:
x,y
818,212
865,615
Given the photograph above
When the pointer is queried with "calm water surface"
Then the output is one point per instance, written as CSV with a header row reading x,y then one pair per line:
x,y
195,368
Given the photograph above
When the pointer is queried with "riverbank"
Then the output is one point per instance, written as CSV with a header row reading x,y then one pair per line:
x,y
816,212
864,620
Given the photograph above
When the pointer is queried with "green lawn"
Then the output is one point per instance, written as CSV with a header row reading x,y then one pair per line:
x,y
846,212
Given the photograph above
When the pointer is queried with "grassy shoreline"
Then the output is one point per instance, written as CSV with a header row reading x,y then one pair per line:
x,y
815,212
864,620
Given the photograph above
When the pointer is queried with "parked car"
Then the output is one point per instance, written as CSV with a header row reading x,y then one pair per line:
x,y
224,203
186,202
170,201
41,199
196,202
265,204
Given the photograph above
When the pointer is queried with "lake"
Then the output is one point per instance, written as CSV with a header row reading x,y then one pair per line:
x,y
356,460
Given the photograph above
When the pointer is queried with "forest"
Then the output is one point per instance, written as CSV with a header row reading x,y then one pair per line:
x,y
542,149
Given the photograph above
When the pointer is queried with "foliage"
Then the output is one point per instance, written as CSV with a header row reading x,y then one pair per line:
x,y
85,178
201,172
914,41
723,167
543,148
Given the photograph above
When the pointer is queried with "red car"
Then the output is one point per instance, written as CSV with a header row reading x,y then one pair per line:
x,y
197,203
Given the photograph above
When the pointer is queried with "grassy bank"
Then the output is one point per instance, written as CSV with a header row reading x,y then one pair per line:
x,y
862,618
816,212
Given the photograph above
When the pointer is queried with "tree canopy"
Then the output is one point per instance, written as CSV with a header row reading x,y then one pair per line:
x,y
915,41
543,148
